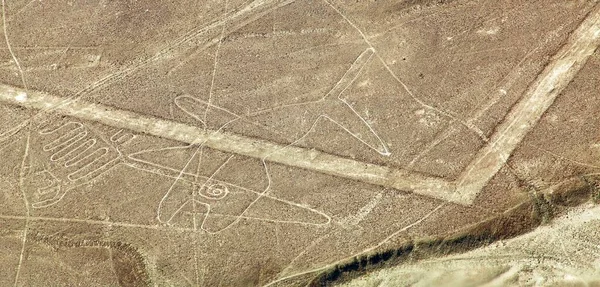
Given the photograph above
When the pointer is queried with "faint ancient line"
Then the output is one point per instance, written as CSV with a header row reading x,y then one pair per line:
x,y
336,44
507,81
95,222
22,253
435,13
349,77
564,250
12,54
195,246
439,138
235,16
562,157
472,52
367,250
149,166
27,209
16,13
306,249
243,118
211,177
134,225
203,185
448,114
363,212
22,172
384,241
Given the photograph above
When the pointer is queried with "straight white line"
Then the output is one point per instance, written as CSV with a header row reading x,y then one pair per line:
x,y
10,50
27,209
95,222
528,111
237,144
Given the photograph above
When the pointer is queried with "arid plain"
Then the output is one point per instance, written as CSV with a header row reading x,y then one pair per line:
x,y
290,143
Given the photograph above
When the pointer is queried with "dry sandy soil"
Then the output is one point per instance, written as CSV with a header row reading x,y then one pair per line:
x,y
562,253
291,143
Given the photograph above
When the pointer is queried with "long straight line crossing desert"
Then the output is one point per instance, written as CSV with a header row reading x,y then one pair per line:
x,y
488,161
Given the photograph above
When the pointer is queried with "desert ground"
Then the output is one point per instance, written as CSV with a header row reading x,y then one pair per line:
x,y
299,143
561,253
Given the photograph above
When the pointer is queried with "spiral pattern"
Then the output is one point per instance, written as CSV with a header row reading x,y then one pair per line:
x,y
214,191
